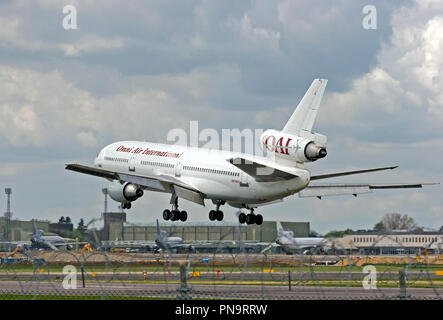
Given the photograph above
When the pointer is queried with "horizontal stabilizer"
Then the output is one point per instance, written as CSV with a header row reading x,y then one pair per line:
x,y
351,189
347,173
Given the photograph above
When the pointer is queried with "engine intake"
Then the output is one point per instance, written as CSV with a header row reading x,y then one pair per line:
x,y
125,192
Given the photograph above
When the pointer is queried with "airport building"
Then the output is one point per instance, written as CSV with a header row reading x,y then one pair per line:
x,y
116,228
203,236
396,242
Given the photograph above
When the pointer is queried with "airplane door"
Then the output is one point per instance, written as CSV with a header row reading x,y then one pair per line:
x,y
132,162
178,169
244,180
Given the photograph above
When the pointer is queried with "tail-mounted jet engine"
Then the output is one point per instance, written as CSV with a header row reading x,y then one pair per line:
x,y
301,149
125,193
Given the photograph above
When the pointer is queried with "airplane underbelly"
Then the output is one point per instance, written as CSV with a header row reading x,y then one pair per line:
x,y
223,190
251,192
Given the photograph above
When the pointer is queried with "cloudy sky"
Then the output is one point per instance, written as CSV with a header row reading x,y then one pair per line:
x,y
137,69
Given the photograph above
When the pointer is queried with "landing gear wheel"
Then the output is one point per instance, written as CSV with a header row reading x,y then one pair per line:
x,y
183,216
175,215
258,219
212,215
219,215
250,218
242,218
166,214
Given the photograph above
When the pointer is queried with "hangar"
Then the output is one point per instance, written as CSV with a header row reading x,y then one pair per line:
x,y
117,228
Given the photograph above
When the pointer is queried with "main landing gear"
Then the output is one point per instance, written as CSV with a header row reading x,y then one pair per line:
x,y
250,218
216,214
175,214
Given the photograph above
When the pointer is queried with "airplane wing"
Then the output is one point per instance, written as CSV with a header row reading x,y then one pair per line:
x,y
50,245
354,189
74,243
16,242
261,172
160,183
268,247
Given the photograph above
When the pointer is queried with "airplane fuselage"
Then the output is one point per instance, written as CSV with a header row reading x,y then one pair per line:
x,y
56,241
204,169
292,244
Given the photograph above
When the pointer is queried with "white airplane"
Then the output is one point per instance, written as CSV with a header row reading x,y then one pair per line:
x,y
238,179
39,241
287,241
165,242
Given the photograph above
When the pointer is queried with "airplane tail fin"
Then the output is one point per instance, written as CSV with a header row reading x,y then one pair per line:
x,y
158,230
303,118
279,228
34,227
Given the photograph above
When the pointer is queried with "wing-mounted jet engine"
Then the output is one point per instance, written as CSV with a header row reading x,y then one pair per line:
x,y
125,193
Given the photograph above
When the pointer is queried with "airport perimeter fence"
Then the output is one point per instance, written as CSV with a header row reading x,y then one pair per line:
x,y
73,274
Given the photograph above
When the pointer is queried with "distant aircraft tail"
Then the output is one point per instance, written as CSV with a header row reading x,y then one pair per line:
x,y
158,230
280,229
303,118
34,227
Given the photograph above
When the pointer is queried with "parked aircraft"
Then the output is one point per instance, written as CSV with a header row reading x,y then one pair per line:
x,y
289,243
40,241
164,242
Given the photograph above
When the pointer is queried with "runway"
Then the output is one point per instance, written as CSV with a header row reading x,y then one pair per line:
x,y
214,291
429,277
